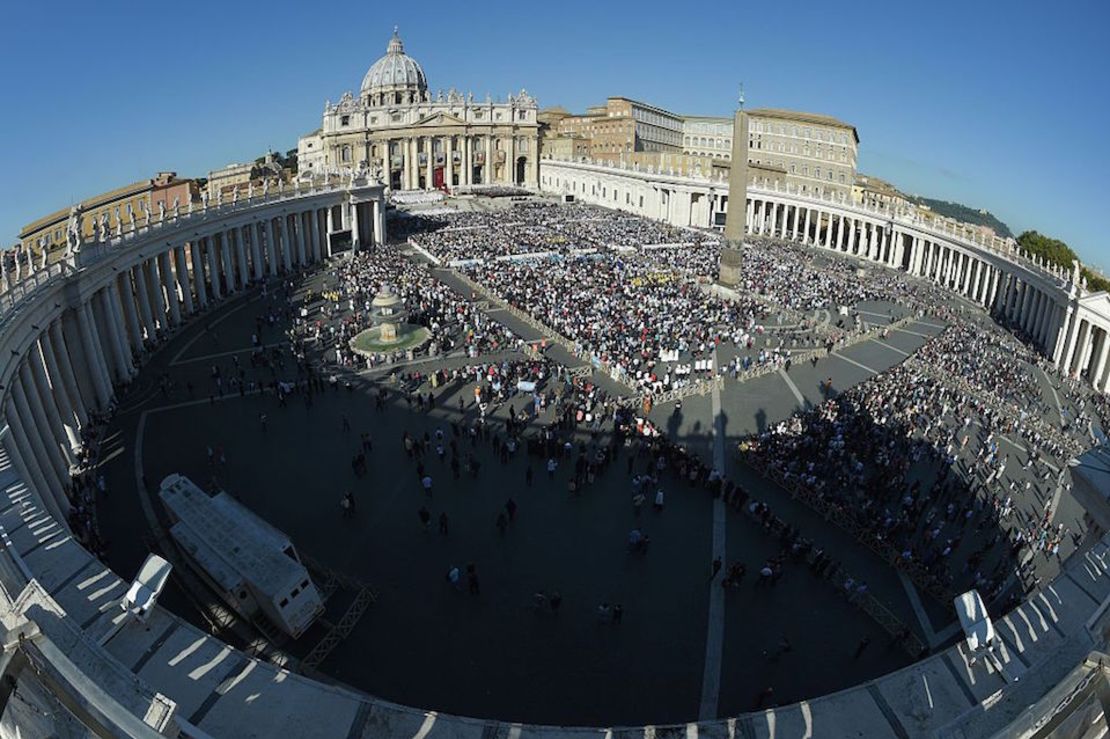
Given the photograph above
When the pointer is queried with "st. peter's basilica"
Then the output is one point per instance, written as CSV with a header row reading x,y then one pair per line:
x,y
397,131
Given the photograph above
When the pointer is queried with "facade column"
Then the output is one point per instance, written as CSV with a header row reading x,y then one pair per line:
x,y
182,271
196,247
510,159
97,374
429,163
449,162
387,167
406,172
467,166
851,236
488,169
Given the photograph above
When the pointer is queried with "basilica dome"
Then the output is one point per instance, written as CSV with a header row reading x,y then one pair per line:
x,y
395,79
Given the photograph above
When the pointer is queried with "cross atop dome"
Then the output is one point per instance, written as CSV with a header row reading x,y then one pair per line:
x,y
396,46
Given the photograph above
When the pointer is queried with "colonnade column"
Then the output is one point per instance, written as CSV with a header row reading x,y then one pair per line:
x,y
170,285
213,250
24,457
227,260
43,395
60,352
113,324
241,257
29,406
98,375
196,246
34,455
302,252
182,271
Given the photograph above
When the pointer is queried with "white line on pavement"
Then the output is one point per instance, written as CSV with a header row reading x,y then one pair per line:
x,y
888,346
915,333
918,609
793,388
715,631
849,360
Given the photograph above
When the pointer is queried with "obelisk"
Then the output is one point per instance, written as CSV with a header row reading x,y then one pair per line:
x,y
729,273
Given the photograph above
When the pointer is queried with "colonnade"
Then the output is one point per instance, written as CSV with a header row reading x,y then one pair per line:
x,y
109,313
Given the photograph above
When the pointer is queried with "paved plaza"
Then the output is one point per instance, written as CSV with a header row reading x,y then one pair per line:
x,y
682,647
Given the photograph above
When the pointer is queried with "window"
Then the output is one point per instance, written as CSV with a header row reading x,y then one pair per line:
x,y
284,602
295,593
345,120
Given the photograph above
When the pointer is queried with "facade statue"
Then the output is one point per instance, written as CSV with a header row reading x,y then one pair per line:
x,y
161,210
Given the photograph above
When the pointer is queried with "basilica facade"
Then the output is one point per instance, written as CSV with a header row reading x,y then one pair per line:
x,y
396,130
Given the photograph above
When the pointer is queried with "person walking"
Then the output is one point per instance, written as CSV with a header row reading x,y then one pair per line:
x,y
861,647
425,517
716,568
510,508
427,483
443,524
472,580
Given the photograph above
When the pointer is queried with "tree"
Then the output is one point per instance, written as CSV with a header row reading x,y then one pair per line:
x,y
1051,250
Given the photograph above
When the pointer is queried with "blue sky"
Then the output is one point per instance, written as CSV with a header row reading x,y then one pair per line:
x,y
999,105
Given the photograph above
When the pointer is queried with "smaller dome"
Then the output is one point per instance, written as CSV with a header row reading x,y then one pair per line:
x,y
396,72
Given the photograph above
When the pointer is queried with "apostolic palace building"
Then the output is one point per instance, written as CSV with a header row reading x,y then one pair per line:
x,y
397,131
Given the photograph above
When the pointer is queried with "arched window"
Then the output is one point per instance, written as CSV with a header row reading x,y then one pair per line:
x,y
346,156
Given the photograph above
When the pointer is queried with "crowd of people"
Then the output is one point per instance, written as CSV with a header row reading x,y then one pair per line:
x,y
917,464
533,227
454,322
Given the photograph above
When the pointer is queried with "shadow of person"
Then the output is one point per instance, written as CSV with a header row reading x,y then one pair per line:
x,y
760,421
674,423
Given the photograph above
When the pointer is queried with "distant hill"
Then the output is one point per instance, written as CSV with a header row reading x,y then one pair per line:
x,y
964,213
